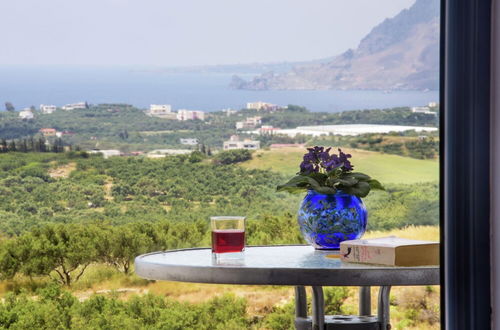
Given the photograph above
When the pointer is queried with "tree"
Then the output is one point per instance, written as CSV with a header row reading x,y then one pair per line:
x,y
61,251
233,156
10,259
296,108
58,145
40,145
196,157
12,146
31,143
23,146
122,244
9,106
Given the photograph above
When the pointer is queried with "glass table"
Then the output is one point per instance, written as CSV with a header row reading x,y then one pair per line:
x,y
294,265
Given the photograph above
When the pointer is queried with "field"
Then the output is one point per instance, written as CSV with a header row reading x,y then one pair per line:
x,y
384,167
411,307
121,189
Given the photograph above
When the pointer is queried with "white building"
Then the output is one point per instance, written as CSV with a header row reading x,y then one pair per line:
x,y
161,111
160,108
26,114
268,130
47,109
235,143
349,130
189,142
433,104
184,114
250,122
229,112
425,110
106,153
259,105
74,106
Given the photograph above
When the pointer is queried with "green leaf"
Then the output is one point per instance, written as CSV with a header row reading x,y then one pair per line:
x,y
301,183
325,190
291,189
359,176
347,181
296,184
361,189
357,184
374,184
335,173
332,182
320,178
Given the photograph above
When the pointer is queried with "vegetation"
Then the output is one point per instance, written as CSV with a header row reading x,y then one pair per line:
x,y
57,309
49,306
409,144
72,223
124,127
33,145
125,190
395,116
233,156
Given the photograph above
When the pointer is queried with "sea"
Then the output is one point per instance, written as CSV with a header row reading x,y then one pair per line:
x,y
206,90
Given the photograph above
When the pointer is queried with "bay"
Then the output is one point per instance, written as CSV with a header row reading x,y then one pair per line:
x,y
208,91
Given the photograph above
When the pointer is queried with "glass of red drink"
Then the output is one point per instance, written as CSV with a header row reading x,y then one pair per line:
x,y
228,235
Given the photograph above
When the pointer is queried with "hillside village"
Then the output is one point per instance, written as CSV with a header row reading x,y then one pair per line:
x,y
247,128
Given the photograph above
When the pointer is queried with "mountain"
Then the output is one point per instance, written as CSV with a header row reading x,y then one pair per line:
x,y
401,53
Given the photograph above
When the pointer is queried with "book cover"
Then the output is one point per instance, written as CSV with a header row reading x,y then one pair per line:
x,y
390,251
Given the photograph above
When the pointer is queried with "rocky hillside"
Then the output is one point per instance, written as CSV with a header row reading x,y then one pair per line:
x,y
401,53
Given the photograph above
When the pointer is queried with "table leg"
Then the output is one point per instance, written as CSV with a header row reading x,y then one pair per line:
x,y
300,302
384,307
318,308
365,301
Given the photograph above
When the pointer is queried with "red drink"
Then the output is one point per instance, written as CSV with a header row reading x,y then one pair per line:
x,y
228,240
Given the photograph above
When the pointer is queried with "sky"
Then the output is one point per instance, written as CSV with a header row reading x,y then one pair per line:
x,y
184,32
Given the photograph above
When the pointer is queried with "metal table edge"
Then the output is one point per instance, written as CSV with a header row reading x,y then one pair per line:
x,y
285,276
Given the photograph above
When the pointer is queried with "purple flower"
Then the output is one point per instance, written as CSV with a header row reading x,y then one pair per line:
x,y
306,167
318,159
332,163
312,159
316,149
344,159
324,156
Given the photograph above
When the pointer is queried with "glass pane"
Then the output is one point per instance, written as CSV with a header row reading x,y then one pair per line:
x,y
125,126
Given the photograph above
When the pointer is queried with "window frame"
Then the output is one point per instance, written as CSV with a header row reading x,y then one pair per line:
x,y
464,163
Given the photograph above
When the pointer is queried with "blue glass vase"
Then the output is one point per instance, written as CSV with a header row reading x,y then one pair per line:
x,y
327,220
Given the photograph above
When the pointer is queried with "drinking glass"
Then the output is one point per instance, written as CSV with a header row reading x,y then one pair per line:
x,y
228,235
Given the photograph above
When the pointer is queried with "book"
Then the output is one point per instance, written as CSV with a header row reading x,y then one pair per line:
x,y
390,251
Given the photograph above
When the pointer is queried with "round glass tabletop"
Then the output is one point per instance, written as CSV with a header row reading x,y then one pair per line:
x,y
276,265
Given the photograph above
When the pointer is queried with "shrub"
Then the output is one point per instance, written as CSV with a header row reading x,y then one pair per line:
x,y
232,156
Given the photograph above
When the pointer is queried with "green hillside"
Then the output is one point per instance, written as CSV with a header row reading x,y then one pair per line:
x,y
384,167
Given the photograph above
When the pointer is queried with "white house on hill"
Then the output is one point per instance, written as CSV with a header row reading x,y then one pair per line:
x,y
235,143
184,114
26,114
47,109
74,106
189,141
